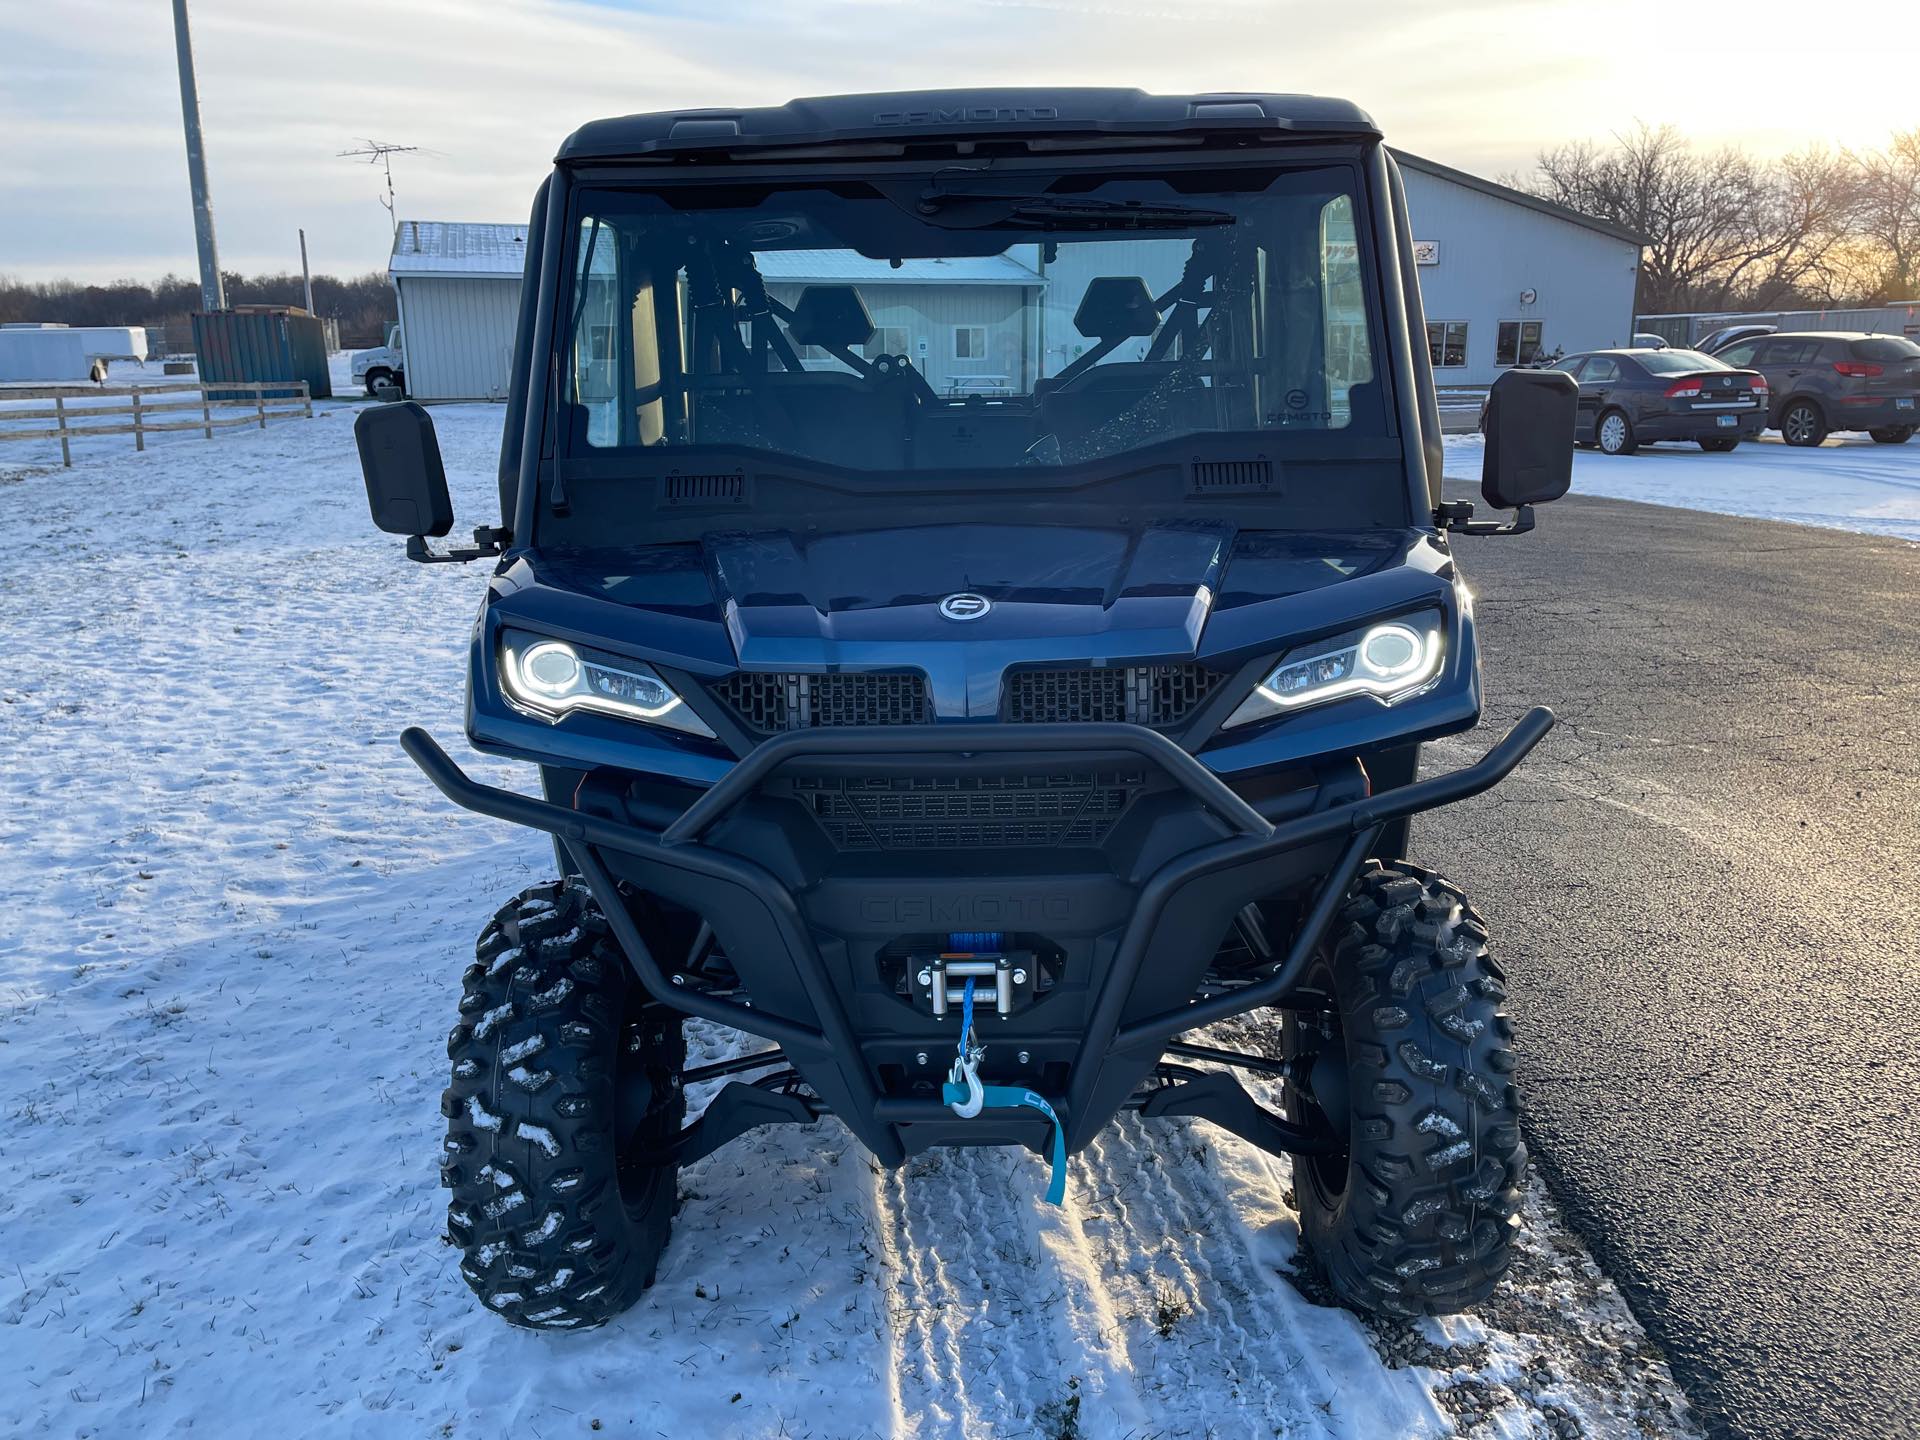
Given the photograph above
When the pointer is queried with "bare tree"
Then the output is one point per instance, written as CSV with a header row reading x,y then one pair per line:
x,y
1888,214
1720,228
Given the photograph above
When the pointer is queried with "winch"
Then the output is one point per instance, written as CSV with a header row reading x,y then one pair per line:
x,y
1004,979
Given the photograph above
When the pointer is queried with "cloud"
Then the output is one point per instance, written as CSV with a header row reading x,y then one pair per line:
x,y
93,175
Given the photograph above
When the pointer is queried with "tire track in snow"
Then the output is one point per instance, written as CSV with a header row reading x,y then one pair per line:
x,y
1174,1258
974,1351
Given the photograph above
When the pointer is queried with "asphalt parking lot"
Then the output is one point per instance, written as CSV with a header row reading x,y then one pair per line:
x,y
1706,889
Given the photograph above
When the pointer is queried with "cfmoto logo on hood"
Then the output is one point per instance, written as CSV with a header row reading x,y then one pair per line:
x,y
965,606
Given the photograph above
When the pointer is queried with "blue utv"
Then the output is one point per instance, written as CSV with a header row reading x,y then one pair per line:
x,y
973,578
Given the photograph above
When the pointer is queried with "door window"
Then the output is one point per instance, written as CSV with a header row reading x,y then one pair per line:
x,y
1740,356
1789,352
1600,371
1518,342
1447,343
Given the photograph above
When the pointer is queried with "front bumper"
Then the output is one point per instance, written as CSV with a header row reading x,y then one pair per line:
x,y
1135,913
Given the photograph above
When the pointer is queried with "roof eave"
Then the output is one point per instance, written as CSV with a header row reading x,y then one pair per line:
x,y
436,273
1516,197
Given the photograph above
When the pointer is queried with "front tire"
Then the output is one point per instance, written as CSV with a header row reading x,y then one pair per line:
x,y
1614,432
565,1079
1892,434
1411,1072
1802,423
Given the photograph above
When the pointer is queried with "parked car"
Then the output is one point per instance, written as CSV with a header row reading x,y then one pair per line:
x,y
1717,340
383,365
1650,342
1836,380
1629,398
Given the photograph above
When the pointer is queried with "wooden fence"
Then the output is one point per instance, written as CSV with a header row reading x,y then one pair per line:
x,y
137,405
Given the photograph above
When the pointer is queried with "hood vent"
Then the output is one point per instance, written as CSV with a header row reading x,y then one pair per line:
x,y
677,489
1230,477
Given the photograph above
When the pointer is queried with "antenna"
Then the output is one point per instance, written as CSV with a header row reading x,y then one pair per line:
x,y
378,152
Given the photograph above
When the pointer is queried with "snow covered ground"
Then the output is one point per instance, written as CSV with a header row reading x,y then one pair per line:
x,y
1849,483
236,922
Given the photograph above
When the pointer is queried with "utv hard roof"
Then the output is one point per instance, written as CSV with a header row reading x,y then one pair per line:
x,y
911,115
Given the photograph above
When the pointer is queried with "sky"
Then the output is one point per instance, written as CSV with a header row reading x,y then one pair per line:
x,y
93,168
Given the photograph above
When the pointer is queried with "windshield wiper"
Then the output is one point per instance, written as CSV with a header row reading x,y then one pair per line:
x,y
1059,212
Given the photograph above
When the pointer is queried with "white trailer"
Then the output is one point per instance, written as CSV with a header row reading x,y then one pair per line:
x,y
64,352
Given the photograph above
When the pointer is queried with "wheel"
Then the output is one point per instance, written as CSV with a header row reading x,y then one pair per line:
x,y
1409,1071
1892,434
376,378
564,1080
1718,446
1615,434
1801,423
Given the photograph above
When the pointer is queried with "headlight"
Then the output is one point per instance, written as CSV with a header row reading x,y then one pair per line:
x,y
552,678
1389,661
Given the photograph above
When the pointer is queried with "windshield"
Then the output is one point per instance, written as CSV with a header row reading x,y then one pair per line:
x,y
1676,362
968,318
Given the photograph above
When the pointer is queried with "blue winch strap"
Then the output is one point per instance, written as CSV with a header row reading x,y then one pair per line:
x,y
1007,1097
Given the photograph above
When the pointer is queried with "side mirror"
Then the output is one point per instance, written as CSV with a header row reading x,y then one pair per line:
x,y
400,459
1529,424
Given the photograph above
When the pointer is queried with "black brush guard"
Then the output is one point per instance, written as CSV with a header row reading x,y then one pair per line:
x,y
1142,998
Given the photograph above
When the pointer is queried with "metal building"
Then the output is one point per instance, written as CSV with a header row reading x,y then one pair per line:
x,y
1896,317
964,323
1507,277
459,299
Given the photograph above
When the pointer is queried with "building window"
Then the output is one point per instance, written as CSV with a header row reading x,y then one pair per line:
x,y
969,342
1519,343
887,340
1447,342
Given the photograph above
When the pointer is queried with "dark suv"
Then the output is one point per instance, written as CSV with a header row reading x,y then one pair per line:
x,y
1836,380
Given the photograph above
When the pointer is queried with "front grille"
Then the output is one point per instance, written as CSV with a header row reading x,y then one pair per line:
x,y
970,812
770,703
1158,695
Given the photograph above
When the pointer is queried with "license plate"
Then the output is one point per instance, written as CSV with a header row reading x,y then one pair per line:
x,y
1727,422
1905,402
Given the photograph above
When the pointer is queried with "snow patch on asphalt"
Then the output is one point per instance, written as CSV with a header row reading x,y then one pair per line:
x,y
238,917
1849,483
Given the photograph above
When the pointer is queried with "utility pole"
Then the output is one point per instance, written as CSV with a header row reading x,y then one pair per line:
x,y
306,275
213,293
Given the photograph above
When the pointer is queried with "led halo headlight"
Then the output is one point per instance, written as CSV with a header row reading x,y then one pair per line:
x,y
1389,661
552,678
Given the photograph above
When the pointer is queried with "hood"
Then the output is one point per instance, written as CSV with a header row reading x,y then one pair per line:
x,y
1029,586
1053,593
